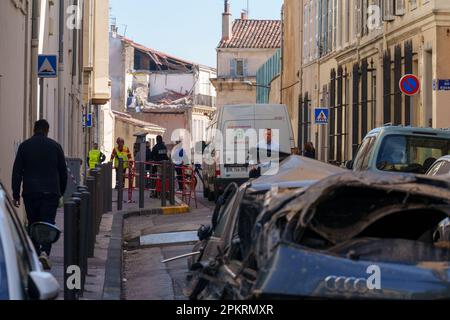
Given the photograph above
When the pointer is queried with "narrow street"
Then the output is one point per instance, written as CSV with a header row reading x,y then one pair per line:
x,y
298,149
146,277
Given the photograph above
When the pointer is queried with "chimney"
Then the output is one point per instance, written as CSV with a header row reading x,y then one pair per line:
x,y
244,15
226,22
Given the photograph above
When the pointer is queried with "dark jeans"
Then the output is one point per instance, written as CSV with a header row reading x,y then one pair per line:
x,y
41,208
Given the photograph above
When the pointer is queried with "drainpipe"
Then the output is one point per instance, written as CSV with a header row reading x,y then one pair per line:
x,y
35,16
60,108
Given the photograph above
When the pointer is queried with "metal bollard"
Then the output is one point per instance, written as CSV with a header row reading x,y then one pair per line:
x,y
164,184
98,201
141,185
90,181
110,188
172,181
70,247
120,185
84,231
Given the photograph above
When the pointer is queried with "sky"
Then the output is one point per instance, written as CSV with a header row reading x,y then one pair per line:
x,y
188,29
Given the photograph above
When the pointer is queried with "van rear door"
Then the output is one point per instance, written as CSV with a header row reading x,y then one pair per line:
x,y
237,120
275,117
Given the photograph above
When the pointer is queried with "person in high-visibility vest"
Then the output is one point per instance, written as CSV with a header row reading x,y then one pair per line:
x,y
95,157
121,151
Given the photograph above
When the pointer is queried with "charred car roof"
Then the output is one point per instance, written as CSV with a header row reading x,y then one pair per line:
x,y
341,206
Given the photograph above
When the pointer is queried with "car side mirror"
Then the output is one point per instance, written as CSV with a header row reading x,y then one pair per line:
x,y
42,286
44,233
349,165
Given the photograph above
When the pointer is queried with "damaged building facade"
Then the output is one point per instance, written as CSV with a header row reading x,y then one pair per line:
x,y
161,89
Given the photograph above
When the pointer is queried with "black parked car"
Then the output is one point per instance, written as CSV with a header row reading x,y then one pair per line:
x,y
351,235
294,175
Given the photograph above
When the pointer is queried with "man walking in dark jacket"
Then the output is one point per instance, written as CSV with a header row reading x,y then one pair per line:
x,y
41,166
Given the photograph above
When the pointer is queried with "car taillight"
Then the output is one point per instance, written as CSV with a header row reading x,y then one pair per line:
x,y
217,172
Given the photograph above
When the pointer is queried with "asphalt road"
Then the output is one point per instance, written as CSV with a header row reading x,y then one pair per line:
x,y
145,277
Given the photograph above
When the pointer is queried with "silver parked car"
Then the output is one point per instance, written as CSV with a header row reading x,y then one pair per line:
x,y
21,273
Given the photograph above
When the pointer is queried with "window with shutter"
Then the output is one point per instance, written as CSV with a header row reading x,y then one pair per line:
x,y
399,7
311,31
388,10
330,26
240,69
347,21
245,65
324,32
233,68
357,19
317,23
306,33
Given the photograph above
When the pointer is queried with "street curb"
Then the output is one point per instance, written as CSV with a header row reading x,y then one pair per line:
x,y
112,288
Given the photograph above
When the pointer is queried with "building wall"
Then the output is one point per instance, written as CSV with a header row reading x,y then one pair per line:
x,y
291,59
275,91
204,85
14,82
118,71
254,59
169,121
178,82
349,42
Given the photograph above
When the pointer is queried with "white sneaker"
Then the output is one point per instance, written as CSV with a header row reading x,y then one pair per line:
x,y
45,261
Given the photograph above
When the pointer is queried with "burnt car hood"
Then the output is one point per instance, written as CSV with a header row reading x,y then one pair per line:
x,y
296,272
295,172
341,206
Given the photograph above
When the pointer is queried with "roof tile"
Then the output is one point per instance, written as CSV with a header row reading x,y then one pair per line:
x,y
255,34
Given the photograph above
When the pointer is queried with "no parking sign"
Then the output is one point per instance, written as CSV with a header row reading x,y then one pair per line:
x,y
409,85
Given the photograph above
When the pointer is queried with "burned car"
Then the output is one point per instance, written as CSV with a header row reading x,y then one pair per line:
x,y
348,236
294,174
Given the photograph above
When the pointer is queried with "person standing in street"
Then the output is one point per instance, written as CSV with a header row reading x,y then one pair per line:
x,y
96,157
122,152
310,151
158,154
148,166
40,166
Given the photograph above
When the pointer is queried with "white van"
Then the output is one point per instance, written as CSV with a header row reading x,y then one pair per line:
x,y
240,120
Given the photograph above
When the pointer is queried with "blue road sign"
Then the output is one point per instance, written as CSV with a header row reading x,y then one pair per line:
x,y
47,66
443,85
87,120
321,115
409,84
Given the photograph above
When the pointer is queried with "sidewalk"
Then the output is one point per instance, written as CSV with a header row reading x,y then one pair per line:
x,y
107,254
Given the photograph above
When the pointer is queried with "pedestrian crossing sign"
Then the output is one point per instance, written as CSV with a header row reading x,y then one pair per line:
x,y
321,116
47,66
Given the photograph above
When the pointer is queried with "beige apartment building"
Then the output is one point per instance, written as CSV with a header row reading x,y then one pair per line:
x,y
289,83
77,32
245,46
15,44
353,54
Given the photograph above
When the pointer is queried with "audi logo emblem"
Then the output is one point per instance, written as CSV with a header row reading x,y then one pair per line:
x,y
346,284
